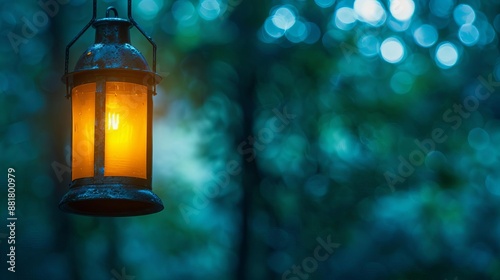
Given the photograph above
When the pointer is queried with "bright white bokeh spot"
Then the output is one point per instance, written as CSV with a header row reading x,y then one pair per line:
x,y
368,45
324,3
210,9
392,50
370,11
402,10
272,30
478,138
345,18
402,82
468,34
149,8
441,8
464,14
446,55
284,18
297,33
425,35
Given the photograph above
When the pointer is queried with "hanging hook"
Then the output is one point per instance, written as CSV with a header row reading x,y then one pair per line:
x,y
109,9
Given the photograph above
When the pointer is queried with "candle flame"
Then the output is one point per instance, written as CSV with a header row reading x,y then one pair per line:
x,y
113,121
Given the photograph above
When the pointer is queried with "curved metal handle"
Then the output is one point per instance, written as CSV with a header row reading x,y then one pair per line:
x,y
132,20
150,40
66,59
92,20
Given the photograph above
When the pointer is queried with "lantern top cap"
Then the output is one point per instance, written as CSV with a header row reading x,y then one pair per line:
x,y
112,53
112,50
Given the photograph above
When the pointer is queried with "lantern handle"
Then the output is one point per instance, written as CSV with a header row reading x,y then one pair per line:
x,y
66,60
150,40
113,9
92,20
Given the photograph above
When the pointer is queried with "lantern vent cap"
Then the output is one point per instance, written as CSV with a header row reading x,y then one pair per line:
x,y
112,48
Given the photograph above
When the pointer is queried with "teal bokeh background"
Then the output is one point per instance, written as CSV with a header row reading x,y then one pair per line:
x,y
279,126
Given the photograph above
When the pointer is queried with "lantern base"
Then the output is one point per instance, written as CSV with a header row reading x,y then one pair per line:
x,y
115,200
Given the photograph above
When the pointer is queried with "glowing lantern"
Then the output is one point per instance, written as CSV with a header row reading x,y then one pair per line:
x,y
111,92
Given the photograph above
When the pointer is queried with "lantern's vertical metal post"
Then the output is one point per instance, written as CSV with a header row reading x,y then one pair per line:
x,y
100,127
72,147
149,157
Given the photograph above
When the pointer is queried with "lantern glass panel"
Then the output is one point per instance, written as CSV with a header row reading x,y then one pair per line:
x,y
126,130
83,107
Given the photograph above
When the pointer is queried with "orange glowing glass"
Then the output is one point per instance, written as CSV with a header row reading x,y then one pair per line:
x,y
125,130
83,107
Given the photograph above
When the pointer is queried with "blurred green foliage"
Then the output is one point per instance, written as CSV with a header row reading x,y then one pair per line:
x,y
277,124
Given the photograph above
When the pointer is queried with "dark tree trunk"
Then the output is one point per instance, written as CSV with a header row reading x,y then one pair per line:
x,y
249,22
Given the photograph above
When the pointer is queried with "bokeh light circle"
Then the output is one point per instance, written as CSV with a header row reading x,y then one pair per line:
x,y
446,55
402,82
272,30
370,11
324,3
464,14
468,34
297,33
149,8
368,45
496,23
441,8
210,9
183,10
492,183
478,138
392,50
345,18
284,18
313,34
486,31
402,10
425,35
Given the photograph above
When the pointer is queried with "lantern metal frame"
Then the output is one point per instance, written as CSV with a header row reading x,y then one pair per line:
x,y
102,195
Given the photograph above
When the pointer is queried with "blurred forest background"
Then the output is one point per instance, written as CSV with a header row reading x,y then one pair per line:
x,y
313,139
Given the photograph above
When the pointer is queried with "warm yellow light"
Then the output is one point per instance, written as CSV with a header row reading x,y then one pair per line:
x,y
125,144
126,130
83,107
114,121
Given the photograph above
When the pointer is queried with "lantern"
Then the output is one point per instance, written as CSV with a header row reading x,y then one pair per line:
x,y
111,92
